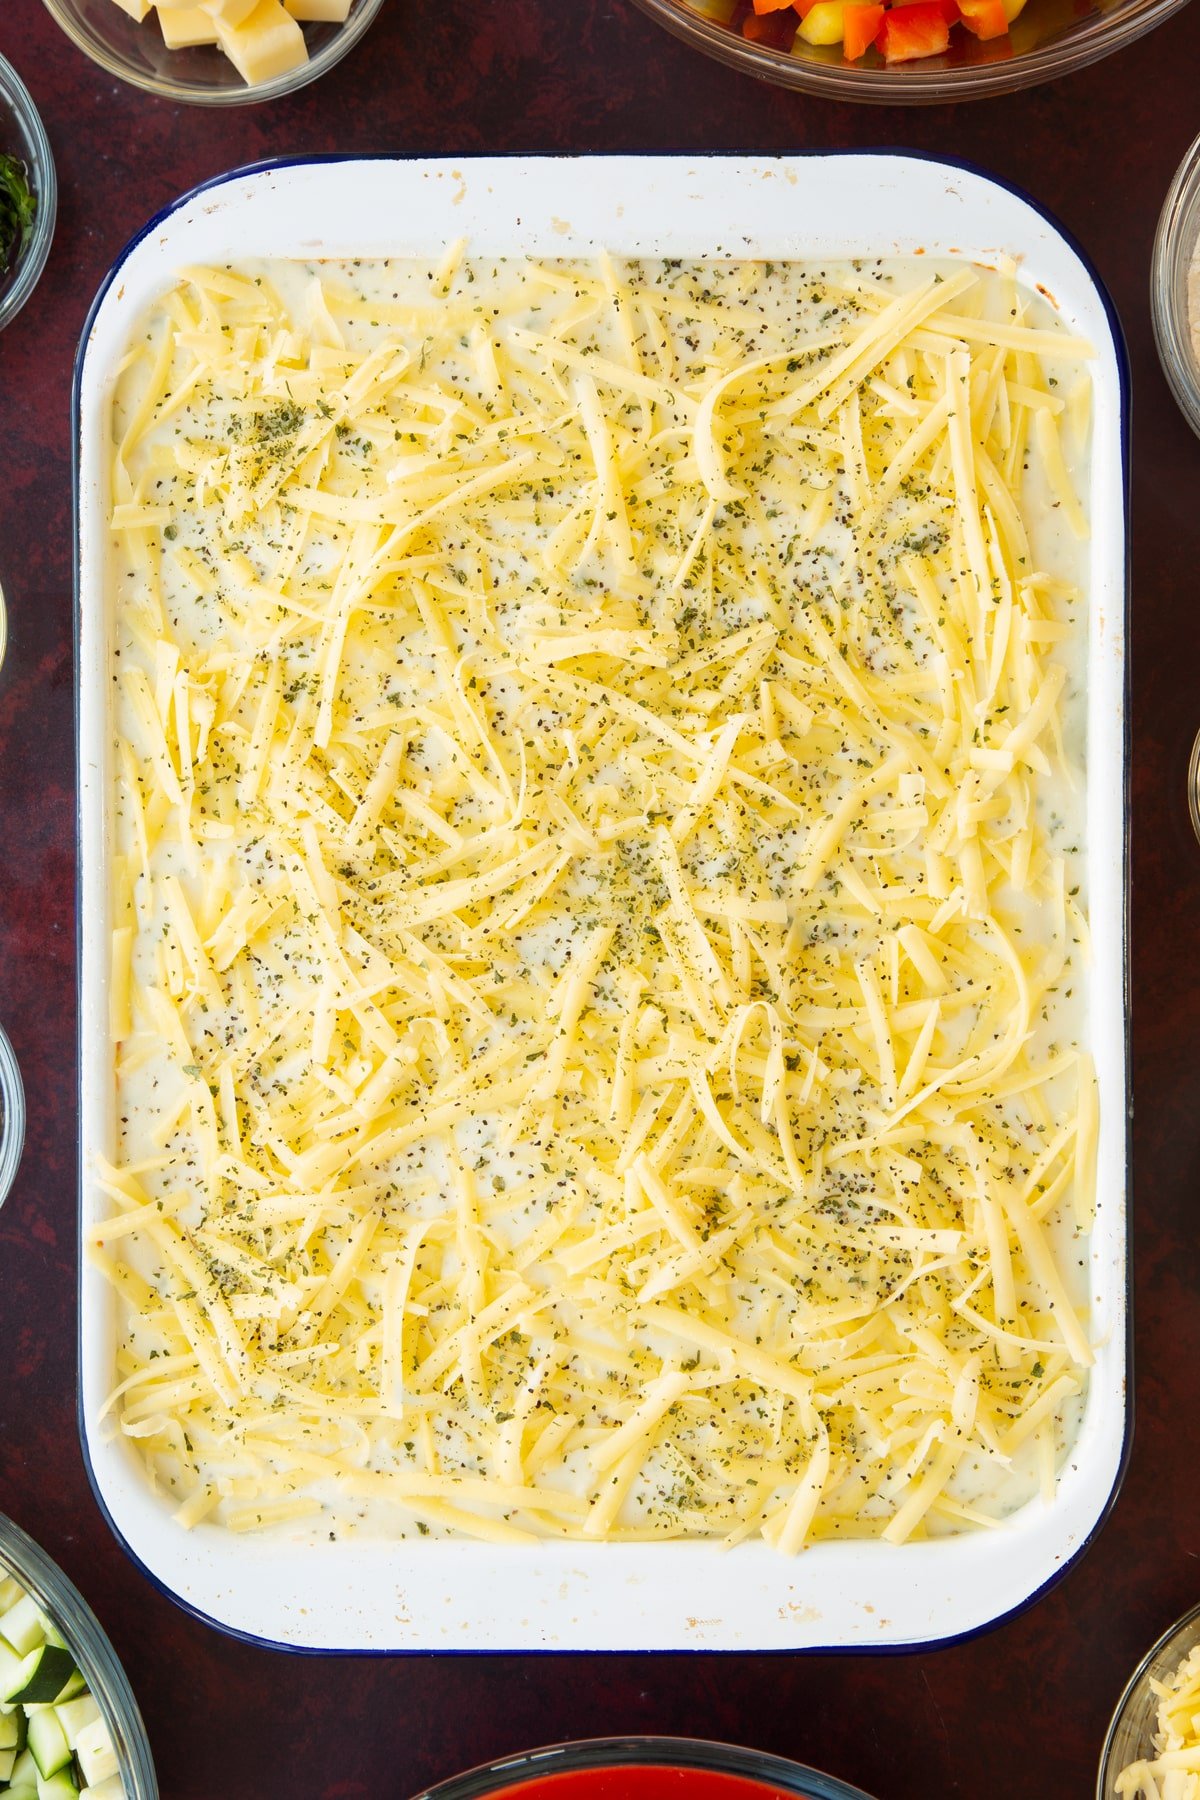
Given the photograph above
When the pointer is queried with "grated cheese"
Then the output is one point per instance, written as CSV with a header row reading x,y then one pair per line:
x,y
590,925
1173,1771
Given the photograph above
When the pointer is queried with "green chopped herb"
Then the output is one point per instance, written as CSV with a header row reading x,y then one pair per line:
x,y
18,209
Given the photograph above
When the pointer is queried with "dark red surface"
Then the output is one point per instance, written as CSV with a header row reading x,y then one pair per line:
x,y
1022,1709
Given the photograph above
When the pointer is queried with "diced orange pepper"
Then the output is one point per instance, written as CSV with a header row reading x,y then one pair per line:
x,y
985,18
861,29
912,31
769,6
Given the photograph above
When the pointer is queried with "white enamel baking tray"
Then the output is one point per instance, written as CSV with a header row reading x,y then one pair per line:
x,y
441,1595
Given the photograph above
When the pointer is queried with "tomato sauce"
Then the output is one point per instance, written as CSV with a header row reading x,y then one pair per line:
x,y
632,1781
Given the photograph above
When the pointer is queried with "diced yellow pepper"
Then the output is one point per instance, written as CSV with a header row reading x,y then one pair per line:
x,y
823,24
1012,8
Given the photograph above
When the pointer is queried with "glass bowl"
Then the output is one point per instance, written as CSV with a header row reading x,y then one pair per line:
x,y
97,1660
1049,39
744,1772
203,75
23,134
1131,1733
1175,243
12,1120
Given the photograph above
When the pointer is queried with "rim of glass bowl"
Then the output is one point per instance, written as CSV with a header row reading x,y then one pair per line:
x,y
64,1604
34,148
1174,242
606,1753
1137,1708
1097,35
12,1128
196,93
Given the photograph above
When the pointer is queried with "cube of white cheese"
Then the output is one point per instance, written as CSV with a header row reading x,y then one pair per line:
x,y
95,1753
234,12
183,26
137,9
268,44
332,12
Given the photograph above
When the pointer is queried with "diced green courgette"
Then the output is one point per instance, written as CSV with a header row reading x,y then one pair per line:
x,y
12,1730
73,1715
48,1743
10,1664
23,1625
74,1684
112,1789
24,1771
95,1753
62,1785
42,1676
54,1743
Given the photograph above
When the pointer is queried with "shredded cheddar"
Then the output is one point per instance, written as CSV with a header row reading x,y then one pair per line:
x,y
1172,1772
588,919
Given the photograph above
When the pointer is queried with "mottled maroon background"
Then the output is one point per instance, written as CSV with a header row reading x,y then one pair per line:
x,y
1021,1710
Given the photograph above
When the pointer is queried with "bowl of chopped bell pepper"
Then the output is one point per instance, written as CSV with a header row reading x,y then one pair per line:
x,y
901,30
908,50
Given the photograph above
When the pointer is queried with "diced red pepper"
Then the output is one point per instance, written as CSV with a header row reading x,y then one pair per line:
x,y
949,8
985,18
908,32
861,28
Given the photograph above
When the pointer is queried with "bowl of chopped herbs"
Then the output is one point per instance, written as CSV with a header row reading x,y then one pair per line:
x,y
28,194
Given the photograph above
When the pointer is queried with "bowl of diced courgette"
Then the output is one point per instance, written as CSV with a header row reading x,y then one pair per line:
x,y
70,1728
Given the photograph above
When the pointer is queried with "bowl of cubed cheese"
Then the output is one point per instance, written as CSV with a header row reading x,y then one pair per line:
x,y
215,52
70,1728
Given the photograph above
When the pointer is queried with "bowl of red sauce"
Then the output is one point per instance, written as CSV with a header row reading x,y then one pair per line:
x,y
644,1768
